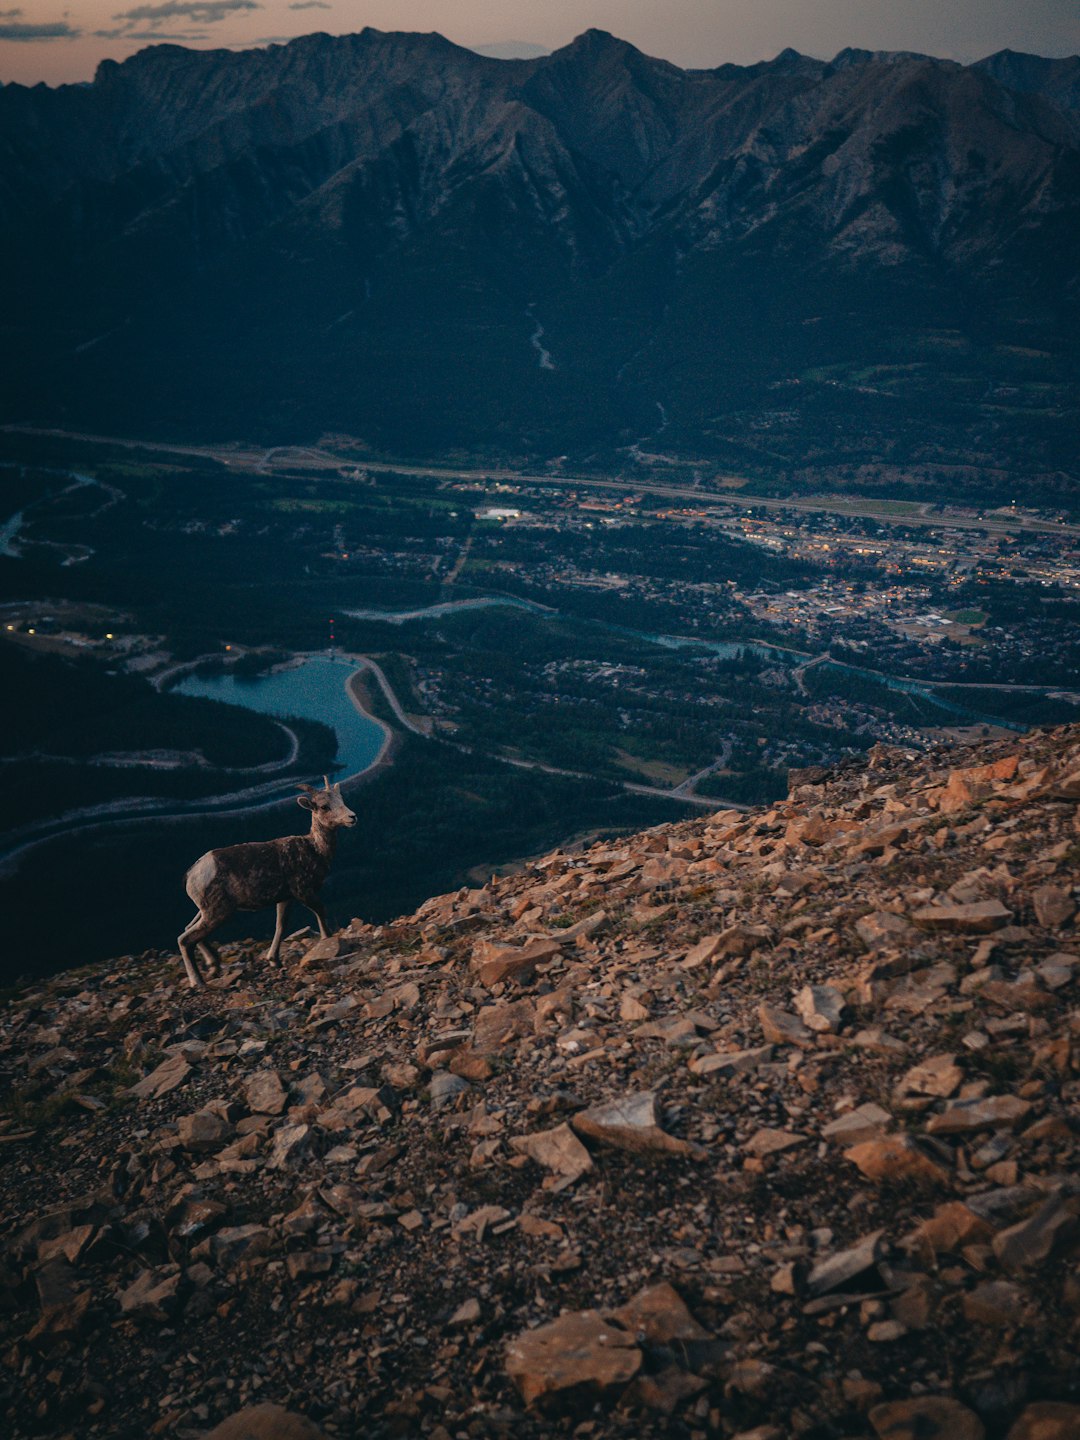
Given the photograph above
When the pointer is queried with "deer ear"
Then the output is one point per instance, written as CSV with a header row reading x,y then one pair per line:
x,y
305,802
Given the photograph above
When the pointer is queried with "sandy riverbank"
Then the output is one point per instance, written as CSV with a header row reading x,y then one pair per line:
x,y
356,687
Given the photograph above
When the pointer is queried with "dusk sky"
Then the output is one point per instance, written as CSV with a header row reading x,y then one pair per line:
x,y
63,40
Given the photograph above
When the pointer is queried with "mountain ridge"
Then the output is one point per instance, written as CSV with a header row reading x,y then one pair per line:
x,y
192,215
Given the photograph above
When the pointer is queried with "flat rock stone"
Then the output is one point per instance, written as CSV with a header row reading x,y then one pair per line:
x,y
367,1101
239,1242
64,1302
994,1112
882,928
741,940
676,1030
446,1087
631,1123
558,1150
152,1295
1067,787
291,1144
496,964
467,1313
666,1390
168,1076
765,1142
700,954
896,1157
1032,1240
304,1264
937,1077
265,1094
731,1062
864,1123
885,1332
204,1131
265,1422
844,1266
660,1316
998,1303
573,1361
781,1028
498,1025
1054,906
821,1007
926,1417
980,917
951,1227
330,947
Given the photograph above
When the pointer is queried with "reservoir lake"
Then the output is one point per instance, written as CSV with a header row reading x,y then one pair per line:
x,y
313,690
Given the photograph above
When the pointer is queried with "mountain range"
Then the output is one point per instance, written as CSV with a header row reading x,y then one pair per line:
x,y
771,267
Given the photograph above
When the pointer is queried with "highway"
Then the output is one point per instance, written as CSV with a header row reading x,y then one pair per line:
x,y
261,460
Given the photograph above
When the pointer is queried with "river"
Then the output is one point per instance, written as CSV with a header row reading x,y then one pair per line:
x,y
449,607
12,526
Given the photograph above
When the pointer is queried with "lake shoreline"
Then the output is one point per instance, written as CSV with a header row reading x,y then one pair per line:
x,y
357,691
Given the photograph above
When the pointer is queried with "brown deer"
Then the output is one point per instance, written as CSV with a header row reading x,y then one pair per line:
x,y
261,873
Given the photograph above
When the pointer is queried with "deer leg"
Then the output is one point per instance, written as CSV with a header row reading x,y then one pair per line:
x,y
194,975
204,924
314,905
211,956
279,931
316,908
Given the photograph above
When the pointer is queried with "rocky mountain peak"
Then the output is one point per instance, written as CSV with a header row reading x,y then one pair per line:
x,y
718,1128
186,197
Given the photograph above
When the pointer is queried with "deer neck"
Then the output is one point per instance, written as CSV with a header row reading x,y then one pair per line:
x,y
323,838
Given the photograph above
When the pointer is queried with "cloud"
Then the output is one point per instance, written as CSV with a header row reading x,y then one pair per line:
x,y
10,14
196,12
16,30
152,34
310,5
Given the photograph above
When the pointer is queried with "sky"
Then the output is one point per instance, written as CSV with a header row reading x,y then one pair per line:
x,y
59,41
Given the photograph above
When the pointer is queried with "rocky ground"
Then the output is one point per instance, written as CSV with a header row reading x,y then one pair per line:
x,y
759,1125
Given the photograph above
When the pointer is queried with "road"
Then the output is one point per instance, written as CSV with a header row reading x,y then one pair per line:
x,y
459,563
687,790
799,673
316,457
365,662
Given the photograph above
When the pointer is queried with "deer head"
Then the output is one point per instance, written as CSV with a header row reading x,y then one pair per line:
x,y
326,805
